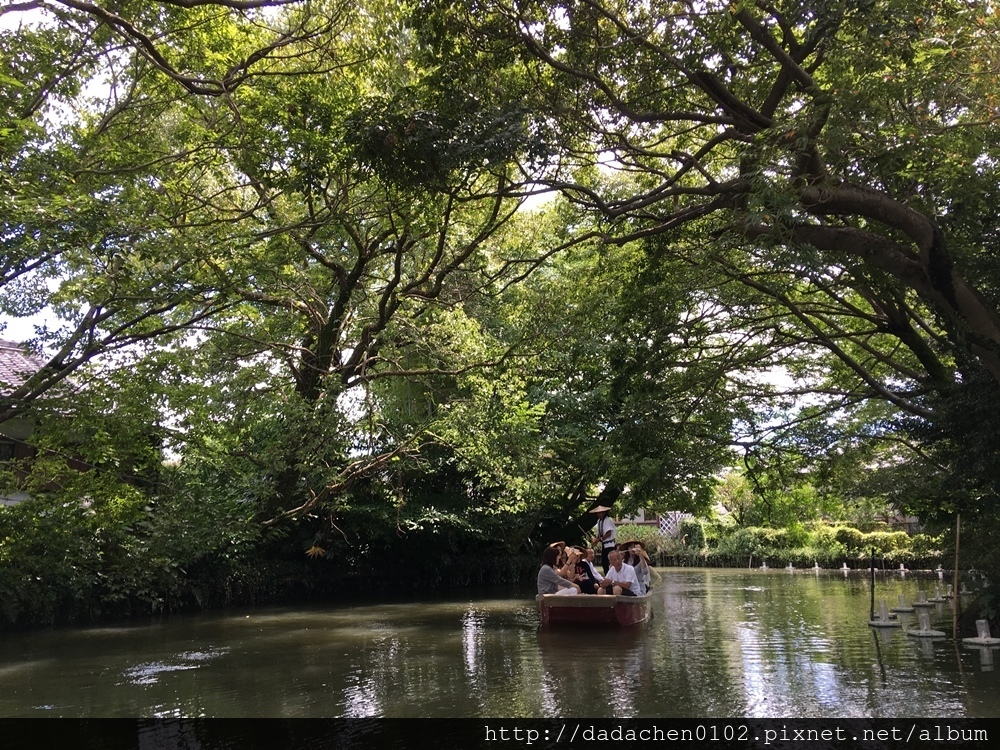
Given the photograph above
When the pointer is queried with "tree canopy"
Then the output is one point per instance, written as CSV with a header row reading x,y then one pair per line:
x,y
447,262
831,162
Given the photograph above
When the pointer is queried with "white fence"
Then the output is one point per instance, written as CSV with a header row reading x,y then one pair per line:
x,y
670,523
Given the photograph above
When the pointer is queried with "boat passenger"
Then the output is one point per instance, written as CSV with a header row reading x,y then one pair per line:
x,y
566,563
628,561
550,582
583,574
620,580
588,558
644,570
633,554
560,565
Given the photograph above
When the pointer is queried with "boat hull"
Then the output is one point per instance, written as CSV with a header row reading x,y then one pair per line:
x,y
593,609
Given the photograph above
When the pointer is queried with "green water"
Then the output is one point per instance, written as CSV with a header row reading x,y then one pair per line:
x,y
723,643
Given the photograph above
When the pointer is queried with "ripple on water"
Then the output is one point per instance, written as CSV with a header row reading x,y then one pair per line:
x,y
803,648
148,673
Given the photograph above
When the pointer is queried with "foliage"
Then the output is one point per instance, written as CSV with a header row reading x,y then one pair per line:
x,y
632,373
649,536
693,533
288,243
817,165
117,553
827,545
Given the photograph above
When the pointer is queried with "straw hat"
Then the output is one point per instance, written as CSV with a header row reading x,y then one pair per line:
x,y
627,547
599,509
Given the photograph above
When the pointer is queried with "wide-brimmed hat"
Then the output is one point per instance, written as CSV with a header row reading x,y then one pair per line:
x,y
627,547
599,509
580,548
560,545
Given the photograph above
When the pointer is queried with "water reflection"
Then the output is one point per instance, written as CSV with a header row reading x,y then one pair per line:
x,y
986,654
595,672
754,643
149,673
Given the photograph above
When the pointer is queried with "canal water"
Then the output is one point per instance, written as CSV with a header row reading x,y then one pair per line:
x,y
723,643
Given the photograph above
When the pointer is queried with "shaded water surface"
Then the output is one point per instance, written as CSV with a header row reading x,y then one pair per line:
x,y
722,643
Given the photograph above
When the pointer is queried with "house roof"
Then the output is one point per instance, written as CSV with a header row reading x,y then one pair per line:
x,y
17,363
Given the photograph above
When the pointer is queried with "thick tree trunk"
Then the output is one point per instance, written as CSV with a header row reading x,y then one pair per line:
x,y
926,267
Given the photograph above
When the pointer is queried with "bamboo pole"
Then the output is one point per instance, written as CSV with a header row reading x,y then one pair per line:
x,y
956,599
872,615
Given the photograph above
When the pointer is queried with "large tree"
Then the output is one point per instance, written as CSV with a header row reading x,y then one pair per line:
x,y
306,204
294,214
93,233
836,161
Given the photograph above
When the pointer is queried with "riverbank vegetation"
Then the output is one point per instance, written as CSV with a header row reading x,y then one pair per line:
x,y
814,544
369,295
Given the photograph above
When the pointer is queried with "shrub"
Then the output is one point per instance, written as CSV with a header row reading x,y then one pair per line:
x,y
925,546
850,538
672,550
886,543
715,528
116,552
741,542
817,543
693,534
796,535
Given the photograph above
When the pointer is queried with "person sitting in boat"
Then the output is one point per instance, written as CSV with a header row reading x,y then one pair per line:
x,y
633,554
583,574
646,566
629,561
564,565
620,579
588,559
550,582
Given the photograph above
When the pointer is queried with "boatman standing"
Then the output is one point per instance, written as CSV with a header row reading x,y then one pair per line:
x,y
606,531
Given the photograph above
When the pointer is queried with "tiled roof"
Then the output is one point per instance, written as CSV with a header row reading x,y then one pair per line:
x,y
16,363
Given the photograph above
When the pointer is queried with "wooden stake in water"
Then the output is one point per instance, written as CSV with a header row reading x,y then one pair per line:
x,y
954,577
873,586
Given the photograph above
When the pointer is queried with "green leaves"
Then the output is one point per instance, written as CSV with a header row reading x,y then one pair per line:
x,y
776,233
434,149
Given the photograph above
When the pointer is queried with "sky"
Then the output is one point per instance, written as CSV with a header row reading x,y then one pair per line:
x,y
20,329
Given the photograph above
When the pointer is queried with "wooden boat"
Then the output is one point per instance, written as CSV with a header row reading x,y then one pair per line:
x,y
593,609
